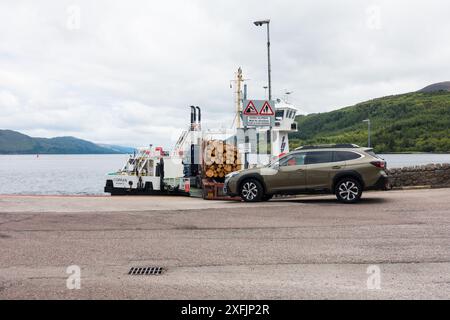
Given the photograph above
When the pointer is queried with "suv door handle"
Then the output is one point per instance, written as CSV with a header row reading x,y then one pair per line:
x,y
299,170
336,167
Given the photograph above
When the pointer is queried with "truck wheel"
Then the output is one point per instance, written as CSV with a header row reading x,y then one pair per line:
x,y
348,190
251,191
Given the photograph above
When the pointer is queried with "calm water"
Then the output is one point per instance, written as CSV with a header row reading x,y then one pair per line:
x,y
85,174
407,160
56,174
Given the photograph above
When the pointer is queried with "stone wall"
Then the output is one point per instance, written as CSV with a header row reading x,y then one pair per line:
x,y
434,175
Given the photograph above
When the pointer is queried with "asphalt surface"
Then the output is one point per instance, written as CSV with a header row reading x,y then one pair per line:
x,y
303,248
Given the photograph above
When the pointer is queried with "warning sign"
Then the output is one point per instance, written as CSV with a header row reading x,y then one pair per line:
x,y
265,117
250,110
266,110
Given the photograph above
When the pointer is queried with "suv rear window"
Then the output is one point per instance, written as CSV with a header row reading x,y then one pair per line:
x,y
373,154
345,155
318,157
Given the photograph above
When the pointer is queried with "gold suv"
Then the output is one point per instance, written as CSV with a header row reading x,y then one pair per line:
x,y
343,169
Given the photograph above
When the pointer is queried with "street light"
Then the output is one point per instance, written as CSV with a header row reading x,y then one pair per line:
x,y
259,24
368,127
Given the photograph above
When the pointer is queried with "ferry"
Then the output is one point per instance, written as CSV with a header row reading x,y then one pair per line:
x,y
152,171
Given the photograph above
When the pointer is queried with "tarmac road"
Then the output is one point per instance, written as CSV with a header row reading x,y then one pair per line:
x,y
308,247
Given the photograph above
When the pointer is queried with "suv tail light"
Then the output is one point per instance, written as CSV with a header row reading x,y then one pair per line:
x,y
379,164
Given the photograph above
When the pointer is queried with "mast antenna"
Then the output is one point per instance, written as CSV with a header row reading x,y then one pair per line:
x,y
239,80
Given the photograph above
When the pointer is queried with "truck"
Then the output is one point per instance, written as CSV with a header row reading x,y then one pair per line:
x,y
150,171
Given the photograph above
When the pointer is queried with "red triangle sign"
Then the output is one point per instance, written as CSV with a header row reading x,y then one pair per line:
x,y
266,110
250,109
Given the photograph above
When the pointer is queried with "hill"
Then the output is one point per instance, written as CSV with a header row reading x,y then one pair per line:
x,y
441,86
116,148
412,122
13,142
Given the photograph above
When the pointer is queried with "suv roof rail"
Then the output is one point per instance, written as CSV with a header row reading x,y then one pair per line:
x,y
326,146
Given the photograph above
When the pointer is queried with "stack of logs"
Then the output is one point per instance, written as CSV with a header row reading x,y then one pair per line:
x,y
220,158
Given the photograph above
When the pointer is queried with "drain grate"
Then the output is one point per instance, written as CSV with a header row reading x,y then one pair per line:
x,y
146,271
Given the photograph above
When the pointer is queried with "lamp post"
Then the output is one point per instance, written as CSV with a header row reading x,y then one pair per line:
x,y
259,24
368,128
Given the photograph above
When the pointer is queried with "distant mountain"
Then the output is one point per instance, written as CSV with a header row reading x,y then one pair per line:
x,y
116,148
417,121
13,142
441,86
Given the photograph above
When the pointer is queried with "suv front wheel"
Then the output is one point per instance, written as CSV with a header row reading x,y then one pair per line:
x,y
348,190
251,191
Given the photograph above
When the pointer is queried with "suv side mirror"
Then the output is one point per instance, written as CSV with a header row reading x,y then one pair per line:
x,y
275,166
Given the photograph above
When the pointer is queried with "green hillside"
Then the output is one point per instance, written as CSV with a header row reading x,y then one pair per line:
x,y
13,142
412,122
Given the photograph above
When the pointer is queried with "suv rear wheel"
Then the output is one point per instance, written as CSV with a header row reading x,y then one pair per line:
x,y
251,190
348,190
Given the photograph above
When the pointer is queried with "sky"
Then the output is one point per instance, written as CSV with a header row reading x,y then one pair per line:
x,y
126,72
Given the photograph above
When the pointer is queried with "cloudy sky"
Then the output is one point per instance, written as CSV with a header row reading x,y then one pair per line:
x,y
125,72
